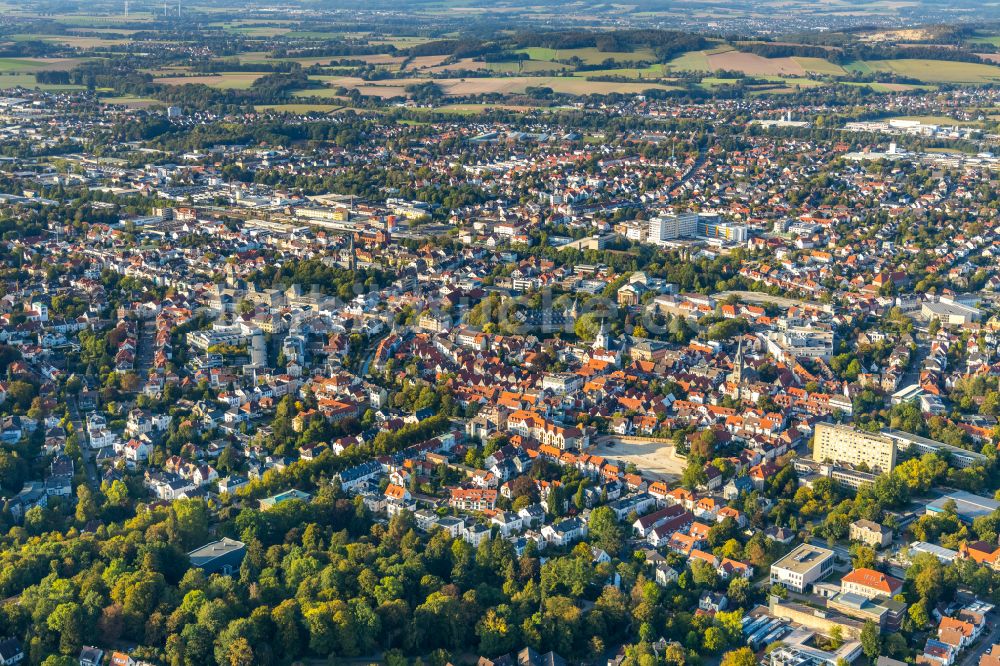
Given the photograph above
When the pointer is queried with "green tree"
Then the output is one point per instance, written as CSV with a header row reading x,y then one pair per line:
x,y
67,621
86,503
116,493
605,531
714,640
871,640
743,656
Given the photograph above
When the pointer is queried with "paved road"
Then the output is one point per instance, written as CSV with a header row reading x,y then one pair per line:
x,y
370,356
912,375
373,346
699,162
145,352
89,467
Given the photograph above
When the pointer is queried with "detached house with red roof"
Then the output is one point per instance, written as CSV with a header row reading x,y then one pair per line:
x,y
959,632
870,584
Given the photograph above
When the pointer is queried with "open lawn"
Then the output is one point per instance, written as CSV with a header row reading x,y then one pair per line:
x,y
223,80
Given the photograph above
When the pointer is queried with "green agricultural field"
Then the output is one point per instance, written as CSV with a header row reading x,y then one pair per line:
x,y
933,71
819,66
472,109
299,108
571,85
106,31
524,67
260,58
715,82
692,61
531,66
22,80
887,87
132,101
260,31
320,93
785,86
32,65
222,80
86,20
651,72
313,34
8,80
75,41
590,56
400,42
993,40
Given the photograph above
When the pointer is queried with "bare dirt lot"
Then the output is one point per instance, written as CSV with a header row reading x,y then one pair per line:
x,y
654,459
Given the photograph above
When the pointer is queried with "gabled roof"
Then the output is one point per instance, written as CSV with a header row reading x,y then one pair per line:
x,y
875,580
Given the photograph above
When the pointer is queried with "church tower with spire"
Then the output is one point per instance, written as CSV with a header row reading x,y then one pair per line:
x,y
601,339
352,260
739,365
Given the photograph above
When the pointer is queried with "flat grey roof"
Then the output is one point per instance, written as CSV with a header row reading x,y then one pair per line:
x,y
804,558
909,437
967,505
210,551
